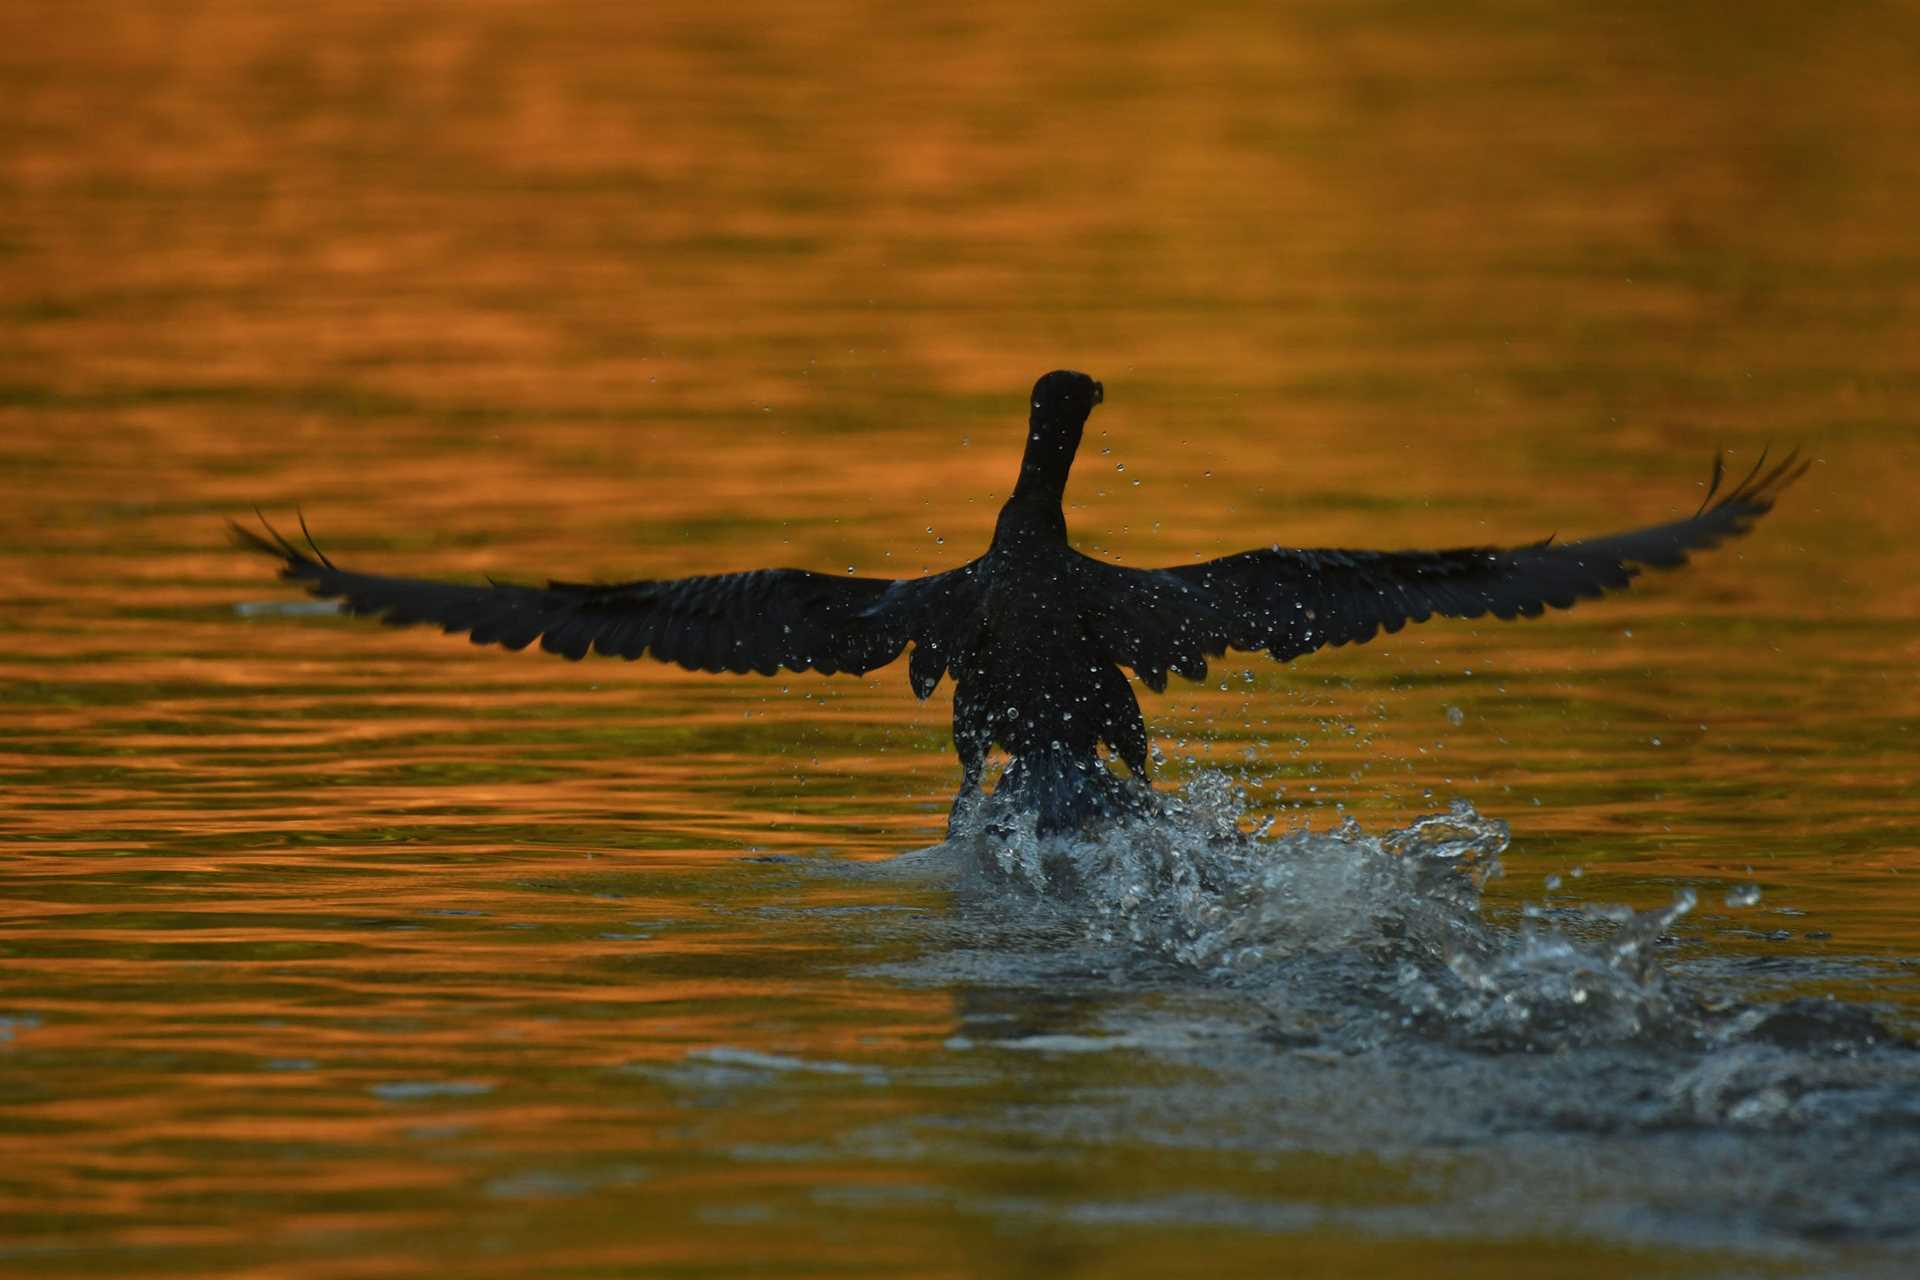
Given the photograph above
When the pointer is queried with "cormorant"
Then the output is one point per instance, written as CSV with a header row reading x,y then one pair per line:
x,y
1034,633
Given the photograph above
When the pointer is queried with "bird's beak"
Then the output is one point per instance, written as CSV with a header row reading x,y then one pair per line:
x,y
1099,393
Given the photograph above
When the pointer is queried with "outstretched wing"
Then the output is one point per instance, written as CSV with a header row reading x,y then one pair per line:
x,y
1289,602
758,621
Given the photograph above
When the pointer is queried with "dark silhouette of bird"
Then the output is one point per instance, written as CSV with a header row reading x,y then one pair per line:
x,y
1037,636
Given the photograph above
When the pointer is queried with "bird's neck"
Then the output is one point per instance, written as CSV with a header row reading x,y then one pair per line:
x,y
1032,514
1047,462
1030,519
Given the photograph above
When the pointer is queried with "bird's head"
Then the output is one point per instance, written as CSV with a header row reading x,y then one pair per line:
x,y
1061,402
1065,396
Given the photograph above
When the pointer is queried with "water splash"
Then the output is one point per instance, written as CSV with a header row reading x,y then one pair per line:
x,y
1350,937
1543,989
1343,991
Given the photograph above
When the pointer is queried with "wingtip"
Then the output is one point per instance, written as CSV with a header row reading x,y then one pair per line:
x,y
307,533
1762,484
1766,485
273,544
294,562
1713,481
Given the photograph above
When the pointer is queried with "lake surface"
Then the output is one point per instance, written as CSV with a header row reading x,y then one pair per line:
x,y
331,950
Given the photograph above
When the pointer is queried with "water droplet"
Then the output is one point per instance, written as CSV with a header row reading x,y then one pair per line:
x,y
1119,466
1743,895
1456,716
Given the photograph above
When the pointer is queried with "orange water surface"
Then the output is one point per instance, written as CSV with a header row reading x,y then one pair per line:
x,y
327,950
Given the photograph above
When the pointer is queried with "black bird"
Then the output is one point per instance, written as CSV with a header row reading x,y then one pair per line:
x,y
1035,634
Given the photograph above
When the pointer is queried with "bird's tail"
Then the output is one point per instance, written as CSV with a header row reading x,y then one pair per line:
x,y
1065,791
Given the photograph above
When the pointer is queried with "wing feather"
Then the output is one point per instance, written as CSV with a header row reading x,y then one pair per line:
x,y
763,620
1289,602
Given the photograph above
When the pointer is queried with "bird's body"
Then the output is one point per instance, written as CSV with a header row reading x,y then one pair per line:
x,y
1029,680
1034,634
